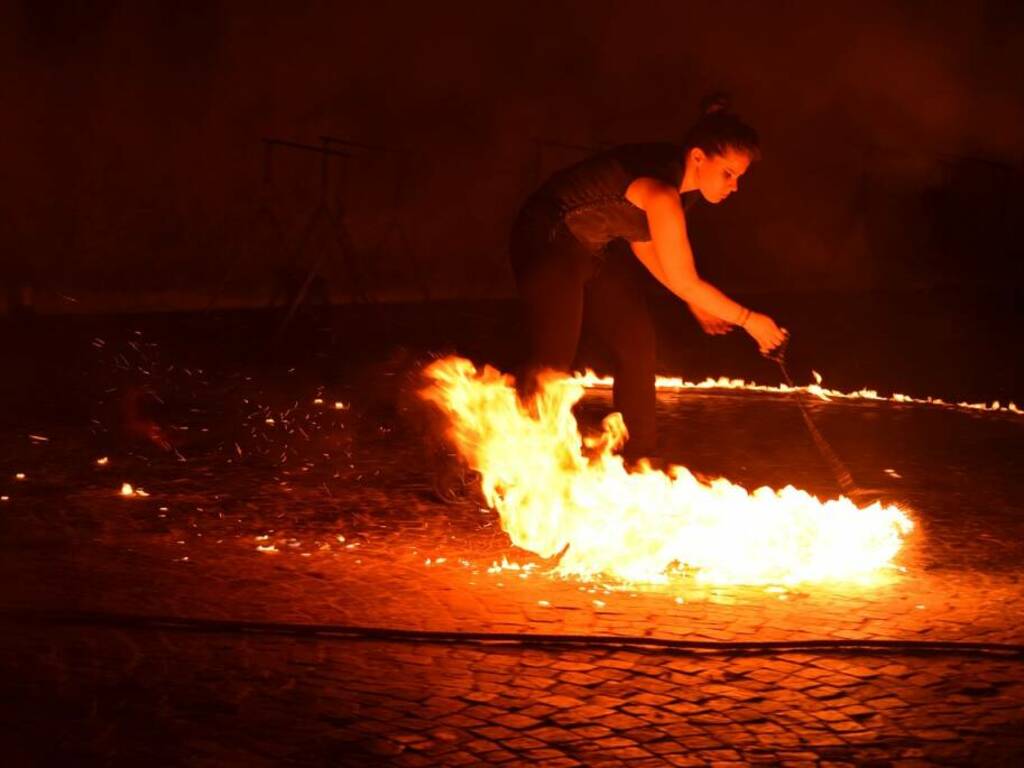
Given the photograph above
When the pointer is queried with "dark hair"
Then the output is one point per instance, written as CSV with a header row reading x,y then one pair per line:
x,y
719,129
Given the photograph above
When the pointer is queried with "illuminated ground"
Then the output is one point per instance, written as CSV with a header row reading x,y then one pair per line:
x,y
247,527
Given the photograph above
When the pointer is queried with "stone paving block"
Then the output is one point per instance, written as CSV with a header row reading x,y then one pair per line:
x,y
579,678
648,714
535,682
601,700
591,732
685,760
515,721
541,756
538,711
795,683
614,743
413,760
652,699
561,702
886,703
495,732
665,747
460,720
498,756
584,714
631,754
550,734
643,735
620,721
567,689
654,761
685,708
561,762
480,746
720,755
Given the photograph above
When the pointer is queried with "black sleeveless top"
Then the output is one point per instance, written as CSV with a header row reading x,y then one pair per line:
x,y
590,197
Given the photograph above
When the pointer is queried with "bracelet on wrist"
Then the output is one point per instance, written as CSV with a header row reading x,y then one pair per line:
x,y
744,316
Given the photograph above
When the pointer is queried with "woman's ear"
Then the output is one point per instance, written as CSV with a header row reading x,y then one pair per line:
x,y
697,156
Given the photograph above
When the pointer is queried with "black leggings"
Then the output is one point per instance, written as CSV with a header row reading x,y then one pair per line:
x,y
565,289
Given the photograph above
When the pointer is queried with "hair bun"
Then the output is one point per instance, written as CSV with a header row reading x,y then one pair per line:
x,y
717,101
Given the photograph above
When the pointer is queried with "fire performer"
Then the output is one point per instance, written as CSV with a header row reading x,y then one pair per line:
x,y
573,268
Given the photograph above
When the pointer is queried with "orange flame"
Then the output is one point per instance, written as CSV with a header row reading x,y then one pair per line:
x,y
558,492
591,380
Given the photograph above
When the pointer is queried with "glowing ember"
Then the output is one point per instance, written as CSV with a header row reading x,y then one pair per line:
x,y
102,461
127,490
556,490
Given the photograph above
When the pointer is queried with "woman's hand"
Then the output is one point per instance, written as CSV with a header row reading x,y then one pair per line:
x,y
712,324
764,331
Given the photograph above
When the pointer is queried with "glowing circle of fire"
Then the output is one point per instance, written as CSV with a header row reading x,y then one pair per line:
x,y
556,490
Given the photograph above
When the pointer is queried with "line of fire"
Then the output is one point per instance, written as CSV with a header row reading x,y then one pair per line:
x,y
516,383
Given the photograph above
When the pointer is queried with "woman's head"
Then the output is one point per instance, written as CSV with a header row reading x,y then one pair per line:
x,y
719,149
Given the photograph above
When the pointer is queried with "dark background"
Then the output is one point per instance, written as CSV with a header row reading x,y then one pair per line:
x,y
881,225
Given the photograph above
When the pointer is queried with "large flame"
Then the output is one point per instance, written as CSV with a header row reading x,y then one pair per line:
x,y
558,492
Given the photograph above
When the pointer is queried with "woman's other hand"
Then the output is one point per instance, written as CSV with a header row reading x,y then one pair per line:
x,y
712,324
764,331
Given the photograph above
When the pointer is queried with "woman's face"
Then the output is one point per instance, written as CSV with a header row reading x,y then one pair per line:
x,y
718,176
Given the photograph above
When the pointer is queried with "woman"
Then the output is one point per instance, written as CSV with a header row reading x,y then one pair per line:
x,y
583,244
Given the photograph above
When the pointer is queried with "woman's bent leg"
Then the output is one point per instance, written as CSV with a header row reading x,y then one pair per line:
x,y
551,280
617,312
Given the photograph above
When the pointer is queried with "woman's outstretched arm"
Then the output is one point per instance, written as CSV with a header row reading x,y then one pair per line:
x,y
669,258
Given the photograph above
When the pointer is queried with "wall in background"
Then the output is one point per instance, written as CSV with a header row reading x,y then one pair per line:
x,y
135,176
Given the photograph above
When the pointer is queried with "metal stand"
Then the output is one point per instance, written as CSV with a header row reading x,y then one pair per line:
x,y
394,227
320,217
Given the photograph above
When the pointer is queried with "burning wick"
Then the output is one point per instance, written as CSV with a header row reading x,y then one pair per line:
x,y
128,490
20,476
102,461
589,379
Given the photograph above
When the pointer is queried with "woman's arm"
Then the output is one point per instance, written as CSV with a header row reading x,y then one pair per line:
x,y
669,258
668,255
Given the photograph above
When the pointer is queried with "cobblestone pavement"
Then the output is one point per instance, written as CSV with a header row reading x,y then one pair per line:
x,y
143,698
289,510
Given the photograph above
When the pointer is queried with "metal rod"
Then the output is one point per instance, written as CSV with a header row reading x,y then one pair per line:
x,y
355,144
835,464
306,147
